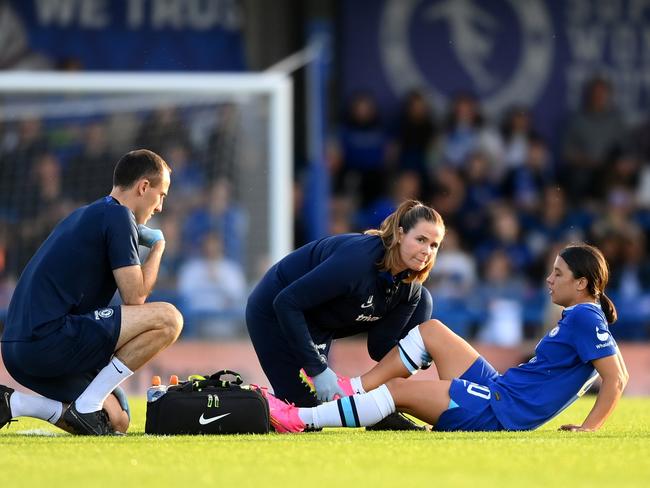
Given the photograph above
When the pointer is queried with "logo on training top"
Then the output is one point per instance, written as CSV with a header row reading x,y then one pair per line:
x,y
366,318
602,336
468,45
368,302
554,331
103,313
204,421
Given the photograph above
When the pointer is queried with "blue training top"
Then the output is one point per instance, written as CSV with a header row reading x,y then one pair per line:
x,y
72,271
531,394
332,288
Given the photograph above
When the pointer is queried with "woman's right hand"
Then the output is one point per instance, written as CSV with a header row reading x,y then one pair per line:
x,y
327,386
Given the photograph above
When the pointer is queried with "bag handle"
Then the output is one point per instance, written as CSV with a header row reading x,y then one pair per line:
x,y
216,377
214,380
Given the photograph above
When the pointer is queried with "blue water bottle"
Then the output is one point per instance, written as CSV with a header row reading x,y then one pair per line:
x,y
156,390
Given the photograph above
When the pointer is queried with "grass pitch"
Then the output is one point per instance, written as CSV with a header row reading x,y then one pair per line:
x,y
34,454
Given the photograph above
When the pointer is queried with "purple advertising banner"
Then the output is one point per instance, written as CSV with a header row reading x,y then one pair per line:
x,y
538,53
149,35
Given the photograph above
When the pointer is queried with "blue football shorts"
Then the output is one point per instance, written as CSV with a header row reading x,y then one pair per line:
x,y
470,394
62,364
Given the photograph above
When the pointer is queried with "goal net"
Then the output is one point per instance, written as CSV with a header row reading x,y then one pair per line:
x,y
227,138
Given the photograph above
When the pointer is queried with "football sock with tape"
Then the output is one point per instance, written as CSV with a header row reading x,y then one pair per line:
x,y
93,397
353,411
24,405
412,351
356,384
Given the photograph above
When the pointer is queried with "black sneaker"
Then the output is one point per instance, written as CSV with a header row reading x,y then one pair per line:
x,y
5,407
396,421
93,423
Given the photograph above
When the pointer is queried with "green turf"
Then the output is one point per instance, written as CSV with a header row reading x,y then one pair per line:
x,y
617,455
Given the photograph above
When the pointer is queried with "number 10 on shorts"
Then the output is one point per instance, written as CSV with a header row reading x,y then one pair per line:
x,y
478,390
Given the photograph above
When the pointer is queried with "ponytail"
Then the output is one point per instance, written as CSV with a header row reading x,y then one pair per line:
x,y
608,308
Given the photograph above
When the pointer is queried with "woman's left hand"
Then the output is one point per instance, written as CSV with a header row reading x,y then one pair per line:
x,y
575,428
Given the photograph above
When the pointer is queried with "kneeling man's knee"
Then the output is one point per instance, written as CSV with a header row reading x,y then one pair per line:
x,y
173,319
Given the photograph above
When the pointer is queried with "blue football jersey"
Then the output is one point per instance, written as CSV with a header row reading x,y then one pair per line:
x,y
531,394
72,271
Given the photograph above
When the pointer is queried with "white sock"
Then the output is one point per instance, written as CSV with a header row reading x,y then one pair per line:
x,y
356,384
412,351
38,407
93,397
353,411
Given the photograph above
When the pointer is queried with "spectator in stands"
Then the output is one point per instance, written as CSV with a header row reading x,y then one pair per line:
x,y
619,210
516,134
22,148
466,132
448,197
501,295
359,158
40,213
630,286
505,236
218,213
481,191
524,183
553,221
406,185
213,289
223,144
594,134
342,215
452,281
88,176
624,171
162,128
416,136
188,177
170,224
454,274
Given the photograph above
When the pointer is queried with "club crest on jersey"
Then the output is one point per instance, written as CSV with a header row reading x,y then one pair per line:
x,y
368,302
103,313
554,331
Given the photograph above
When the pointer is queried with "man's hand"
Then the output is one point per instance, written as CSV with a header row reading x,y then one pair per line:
x,y
148,237
327,386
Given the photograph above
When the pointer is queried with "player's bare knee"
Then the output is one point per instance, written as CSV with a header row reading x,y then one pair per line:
x,y
432,327
394,385
173,320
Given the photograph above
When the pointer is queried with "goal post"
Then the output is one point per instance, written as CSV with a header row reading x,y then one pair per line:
x,y
277,87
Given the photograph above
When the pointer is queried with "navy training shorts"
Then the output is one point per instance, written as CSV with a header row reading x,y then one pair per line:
x,y
470,395
62,364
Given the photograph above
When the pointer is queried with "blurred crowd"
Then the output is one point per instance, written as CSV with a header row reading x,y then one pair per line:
x,y
510,198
